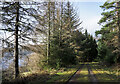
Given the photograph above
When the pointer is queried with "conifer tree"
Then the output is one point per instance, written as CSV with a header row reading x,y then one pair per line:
x,y
16,20
85,46
110,30
60,48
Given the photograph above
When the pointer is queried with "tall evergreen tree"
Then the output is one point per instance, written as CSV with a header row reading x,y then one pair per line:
x,y
60,48
110,30
85,46
16,20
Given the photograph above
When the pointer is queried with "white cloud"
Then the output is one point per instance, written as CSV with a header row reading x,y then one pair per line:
x,y
91,24
87,0
56,0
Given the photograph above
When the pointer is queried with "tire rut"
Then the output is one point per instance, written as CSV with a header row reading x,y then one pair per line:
x,y
76,75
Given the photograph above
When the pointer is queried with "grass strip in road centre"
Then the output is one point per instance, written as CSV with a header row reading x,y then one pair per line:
x,y
84,76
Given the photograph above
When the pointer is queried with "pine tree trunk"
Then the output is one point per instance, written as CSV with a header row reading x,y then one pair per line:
x,y
53,20
16,42
118,25
48,45
60,36
2,48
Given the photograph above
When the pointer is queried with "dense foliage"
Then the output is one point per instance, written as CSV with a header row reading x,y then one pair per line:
x,y
67,37
85,46
108,44
60,49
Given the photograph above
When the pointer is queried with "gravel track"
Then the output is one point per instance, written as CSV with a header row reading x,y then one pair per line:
x,y
76,75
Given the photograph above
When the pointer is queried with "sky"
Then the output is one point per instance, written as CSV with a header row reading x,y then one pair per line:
x,y
90,14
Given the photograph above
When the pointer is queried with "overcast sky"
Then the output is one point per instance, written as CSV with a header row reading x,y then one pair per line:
x,y
90,14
